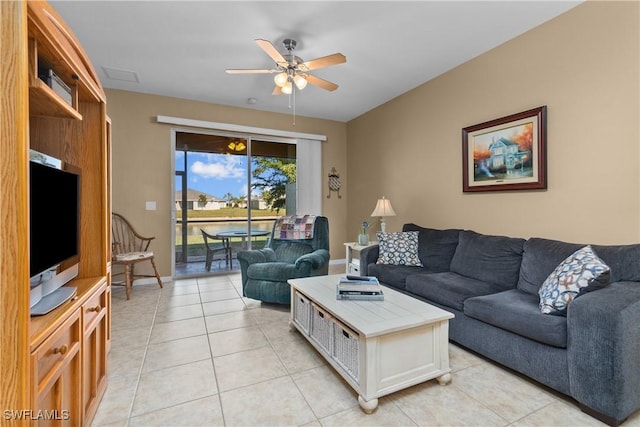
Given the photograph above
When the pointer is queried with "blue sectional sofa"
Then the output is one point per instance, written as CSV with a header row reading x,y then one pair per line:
x,y
491,284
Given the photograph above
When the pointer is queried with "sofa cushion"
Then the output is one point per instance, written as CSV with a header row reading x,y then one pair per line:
x,y
435,247
518,312
448,289
542,256
398,248
494,259
622,259
583,271
393,275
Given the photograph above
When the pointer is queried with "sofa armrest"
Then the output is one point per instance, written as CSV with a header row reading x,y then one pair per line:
x,y
368,255
603,347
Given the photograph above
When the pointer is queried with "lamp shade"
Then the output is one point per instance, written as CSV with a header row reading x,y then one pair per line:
x,y
300,81
280,79
383,208
287,88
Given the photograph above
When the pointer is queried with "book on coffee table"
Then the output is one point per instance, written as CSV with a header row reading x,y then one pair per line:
x,y
359,288
378,296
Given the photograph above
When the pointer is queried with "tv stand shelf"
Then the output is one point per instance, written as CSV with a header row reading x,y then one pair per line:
x,y
41,326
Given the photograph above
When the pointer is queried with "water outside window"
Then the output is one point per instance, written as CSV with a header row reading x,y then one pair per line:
x,y
233,189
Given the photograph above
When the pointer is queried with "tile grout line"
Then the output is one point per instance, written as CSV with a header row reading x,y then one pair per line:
x,y
146,349
213,365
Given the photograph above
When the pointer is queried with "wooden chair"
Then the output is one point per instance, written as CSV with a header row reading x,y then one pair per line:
x,y
129,248
214,245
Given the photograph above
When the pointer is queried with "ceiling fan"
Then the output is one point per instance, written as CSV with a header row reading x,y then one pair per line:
x,y
292,70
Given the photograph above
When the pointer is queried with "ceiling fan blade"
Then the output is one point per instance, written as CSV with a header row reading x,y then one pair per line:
x,y
277,90
270,50
247,71
325,61
324,84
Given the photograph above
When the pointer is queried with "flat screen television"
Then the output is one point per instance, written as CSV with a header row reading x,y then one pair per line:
x,y
54,215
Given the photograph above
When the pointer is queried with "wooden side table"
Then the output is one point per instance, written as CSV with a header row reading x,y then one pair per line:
x,y
353,256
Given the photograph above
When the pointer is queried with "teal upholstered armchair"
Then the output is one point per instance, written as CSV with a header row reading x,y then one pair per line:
x,y
298,247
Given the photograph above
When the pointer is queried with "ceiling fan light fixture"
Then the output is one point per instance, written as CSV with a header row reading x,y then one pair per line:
x,y
300,81
280,79
236,146
287,88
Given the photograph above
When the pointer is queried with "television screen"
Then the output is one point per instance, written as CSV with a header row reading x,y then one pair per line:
x,y
54,215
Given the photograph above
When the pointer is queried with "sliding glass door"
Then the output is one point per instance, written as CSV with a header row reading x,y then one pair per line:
x,y
229,190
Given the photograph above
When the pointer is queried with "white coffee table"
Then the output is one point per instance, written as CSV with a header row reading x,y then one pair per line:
x,y
378,347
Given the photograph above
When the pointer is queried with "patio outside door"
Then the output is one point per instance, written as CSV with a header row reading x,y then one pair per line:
x,y
231,188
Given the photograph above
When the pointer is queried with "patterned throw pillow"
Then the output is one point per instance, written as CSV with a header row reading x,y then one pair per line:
x,y
583,271
398,248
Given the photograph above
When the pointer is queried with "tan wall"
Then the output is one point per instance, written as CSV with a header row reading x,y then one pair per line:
x,y
584,66
142,168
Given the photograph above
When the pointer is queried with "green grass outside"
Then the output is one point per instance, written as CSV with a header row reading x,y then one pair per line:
x,y
231,213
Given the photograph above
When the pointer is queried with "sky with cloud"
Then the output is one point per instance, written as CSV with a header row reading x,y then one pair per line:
x,y
214,174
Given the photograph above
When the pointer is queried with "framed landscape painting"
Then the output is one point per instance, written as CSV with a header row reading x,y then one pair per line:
x,y
508,153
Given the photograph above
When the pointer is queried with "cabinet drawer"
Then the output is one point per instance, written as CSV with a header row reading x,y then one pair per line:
x,y
63,344
94,309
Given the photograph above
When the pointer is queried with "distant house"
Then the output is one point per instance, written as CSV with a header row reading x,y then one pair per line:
x,y
196,202
505,154
257,203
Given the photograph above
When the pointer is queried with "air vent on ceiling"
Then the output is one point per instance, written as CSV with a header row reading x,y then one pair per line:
x,y
120,74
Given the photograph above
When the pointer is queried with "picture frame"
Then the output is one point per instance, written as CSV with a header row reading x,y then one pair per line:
x,y
509,153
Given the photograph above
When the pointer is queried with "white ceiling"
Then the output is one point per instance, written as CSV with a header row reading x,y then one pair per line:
x,y
182,48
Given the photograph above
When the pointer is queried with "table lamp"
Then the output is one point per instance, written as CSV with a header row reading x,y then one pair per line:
x,y
383,209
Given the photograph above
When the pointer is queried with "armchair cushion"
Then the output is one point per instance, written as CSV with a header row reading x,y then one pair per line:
x,y
289,252
277,271
257,255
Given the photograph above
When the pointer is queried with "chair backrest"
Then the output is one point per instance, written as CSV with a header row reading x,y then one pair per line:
x,y
214,243
320,239
124,238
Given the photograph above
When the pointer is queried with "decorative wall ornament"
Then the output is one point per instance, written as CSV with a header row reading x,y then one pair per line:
x,y
334,183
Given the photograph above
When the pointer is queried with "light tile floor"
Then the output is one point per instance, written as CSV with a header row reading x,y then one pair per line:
x,y
197,354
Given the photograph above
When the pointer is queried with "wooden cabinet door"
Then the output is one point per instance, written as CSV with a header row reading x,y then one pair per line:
x,y
57,367
95,319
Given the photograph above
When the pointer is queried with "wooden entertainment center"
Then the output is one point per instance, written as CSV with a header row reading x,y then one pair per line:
x,y
53,368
